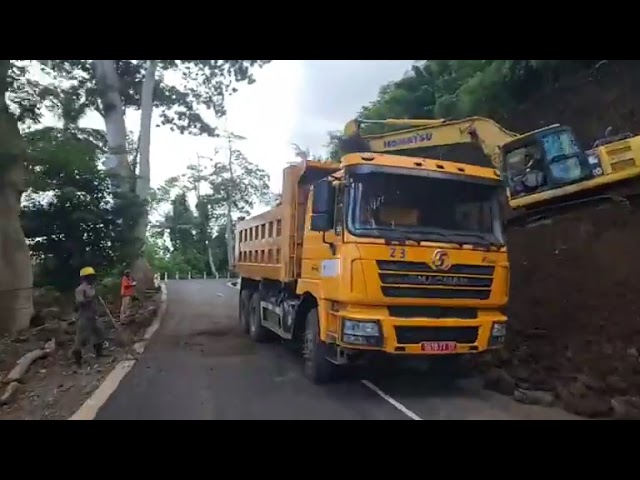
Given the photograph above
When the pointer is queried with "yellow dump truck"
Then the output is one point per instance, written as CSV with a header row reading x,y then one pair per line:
x,y
381,256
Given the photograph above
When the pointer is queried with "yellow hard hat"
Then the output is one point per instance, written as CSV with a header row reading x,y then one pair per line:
x,y
87,271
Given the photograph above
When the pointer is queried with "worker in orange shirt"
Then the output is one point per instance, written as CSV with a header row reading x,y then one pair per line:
x,y
127,290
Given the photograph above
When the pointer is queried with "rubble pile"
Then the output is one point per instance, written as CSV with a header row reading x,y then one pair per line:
x,y
574,315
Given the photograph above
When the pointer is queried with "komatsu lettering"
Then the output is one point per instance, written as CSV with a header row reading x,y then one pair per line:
x,y
412,140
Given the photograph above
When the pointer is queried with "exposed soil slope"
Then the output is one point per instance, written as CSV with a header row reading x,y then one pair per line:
x,y
575,298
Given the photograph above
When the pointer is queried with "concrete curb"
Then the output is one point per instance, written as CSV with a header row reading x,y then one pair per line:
x,y
89,409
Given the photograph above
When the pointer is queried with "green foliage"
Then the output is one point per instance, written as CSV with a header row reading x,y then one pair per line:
x,y
69,216
182,88
461,88
219,190
241,182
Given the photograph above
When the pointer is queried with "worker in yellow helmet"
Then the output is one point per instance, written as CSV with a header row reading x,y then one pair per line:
x,y
88,327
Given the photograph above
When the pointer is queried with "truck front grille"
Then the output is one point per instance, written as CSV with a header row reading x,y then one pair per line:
x,y
420,280
415,335
412,311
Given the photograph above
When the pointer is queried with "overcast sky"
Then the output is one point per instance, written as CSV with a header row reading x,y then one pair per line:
x,y
292,101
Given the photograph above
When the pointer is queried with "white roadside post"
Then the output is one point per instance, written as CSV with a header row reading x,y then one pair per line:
x,y
205,274
177,276
189,275
165,276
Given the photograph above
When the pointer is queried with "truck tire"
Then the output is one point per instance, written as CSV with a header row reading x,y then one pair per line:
x,y
317,367
257,332
243,310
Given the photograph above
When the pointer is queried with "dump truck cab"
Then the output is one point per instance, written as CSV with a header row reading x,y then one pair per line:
x,y
410,256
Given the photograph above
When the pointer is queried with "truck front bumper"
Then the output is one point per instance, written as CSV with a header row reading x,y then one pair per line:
x,y
359,330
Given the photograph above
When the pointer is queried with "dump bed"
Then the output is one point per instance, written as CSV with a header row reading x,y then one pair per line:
x,y
269,245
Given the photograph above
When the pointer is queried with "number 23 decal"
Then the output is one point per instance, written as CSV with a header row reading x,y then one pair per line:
x,y
395,252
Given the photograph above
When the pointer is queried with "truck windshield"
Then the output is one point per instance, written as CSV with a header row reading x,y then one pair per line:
x,y
424,208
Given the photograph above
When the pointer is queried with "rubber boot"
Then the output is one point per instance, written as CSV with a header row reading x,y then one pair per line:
x,y
98,348
77,357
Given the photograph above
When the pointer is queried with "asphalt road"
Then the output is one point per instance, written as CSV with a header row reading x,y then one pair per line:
x,y
199,366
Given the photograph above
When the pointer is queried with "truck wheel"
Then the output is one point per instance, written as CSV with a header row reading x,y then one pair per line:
x,y
316,366
243,310
257,332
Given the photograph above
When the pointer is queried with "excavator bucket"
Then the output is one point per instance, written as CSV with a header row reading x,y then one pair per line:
x,y
352,128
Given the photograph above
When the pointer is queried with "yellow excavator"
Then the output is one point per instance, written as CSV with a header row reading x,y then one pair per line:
x,y
545,171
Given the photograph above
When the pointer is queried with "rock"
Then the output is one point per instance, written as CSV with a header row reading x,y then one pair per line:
x,y
632,352
577,399
534,397
615,383
499,381
51,313
10,393
577,389
626,408
37,319
50,346
592,383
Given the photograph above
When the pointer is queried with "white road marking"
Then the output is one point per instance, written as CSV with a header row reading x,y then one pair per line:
x,y
393,402
219,294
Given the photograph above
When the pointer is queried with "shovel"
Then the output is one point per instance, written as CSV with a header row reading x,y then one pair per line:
x,y
120,333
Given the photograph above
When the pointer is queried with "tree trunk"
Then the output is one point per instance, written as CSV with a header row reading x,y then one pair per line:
x,y
141,268
212,264
109,91
229,227
16,275
229,239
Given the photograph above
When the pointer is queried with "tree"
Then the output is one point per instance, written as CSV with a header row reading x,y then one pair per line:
x,y
120,84
16,279
69,215
237,186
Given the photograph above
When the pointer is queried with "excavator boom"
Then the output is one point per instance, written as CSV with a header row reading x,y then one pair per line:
x,y
432,133
542,170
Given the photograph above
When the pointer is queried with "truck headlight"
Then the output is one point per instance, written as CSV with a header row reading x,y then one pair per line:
x,y
361,333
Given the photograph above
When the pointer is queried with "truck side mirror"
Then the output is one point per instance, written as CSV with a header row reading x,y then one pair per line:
x,y
322,208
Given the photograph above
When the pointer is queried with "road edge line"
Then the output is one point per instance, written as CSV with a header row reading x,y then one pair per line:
x,y
90,407
392,401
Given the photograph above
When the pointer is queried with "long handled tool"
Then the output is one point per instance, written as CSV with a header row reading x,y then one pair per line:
x,y
119,332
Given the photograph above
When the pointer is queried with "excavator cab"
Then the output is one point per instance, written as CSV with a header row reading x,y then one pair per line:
x,y
544,160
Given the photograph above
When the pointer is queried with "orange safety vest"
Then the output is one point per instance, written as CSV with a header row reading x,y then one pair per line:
x,y
126,287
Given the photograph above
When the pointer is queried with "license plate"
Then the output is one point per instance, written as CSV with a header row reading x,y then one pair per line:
x,y
438,347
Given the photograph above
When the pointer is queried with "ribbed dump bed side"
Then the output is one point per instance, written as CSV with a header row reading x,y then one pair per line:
x,y
269,245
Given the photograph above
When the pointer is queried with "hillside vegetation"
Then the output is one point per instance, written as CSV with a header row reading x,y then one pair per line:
x,y
574,328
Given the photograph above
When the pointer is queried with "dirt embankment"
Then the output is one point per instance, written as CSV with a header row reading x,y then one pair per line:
x,y
575,309
50,386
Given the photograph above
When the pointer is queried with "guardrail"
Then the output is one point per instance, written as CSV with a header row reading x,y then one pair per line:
x,y
191,275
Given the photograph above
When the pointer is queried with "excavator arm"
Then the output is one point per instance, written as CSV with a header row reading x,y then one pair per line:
x,y
430,133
